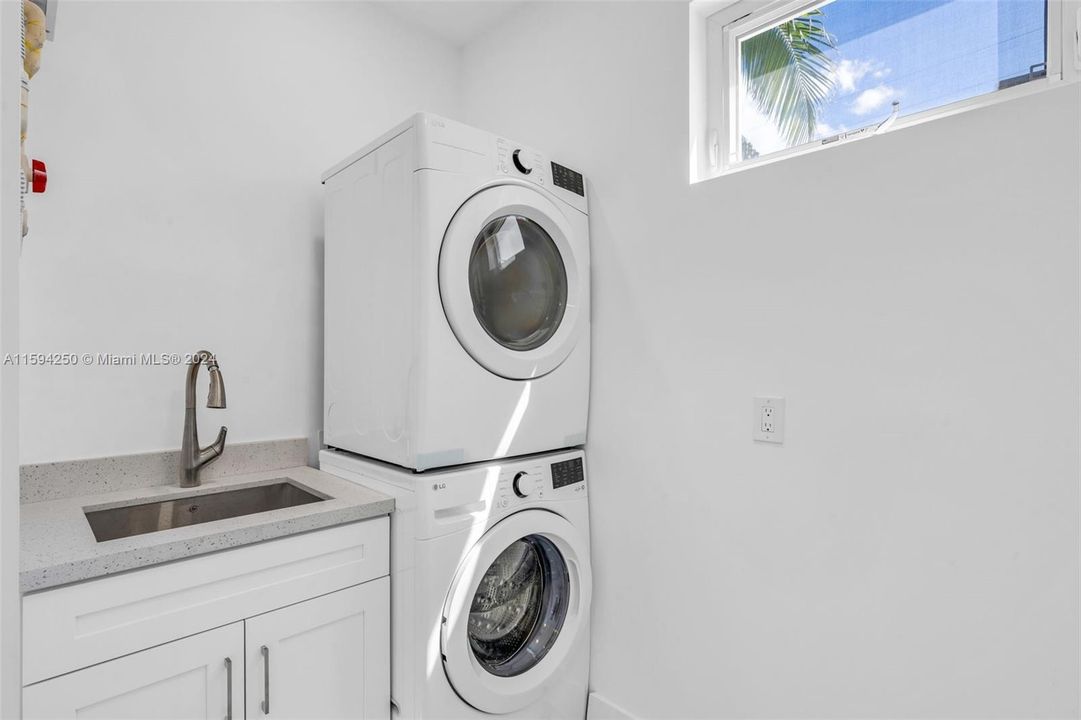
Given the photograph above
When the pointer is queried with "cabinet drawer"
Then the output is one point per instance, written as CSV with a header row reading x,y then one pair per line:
x,y
74,626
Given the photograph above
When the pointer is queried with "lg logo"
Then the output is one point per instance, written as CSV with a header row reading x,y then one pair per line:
x,y
439,486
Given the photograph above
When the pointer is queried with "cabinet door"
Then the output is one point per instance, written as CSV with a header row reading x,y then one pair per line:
x,y
185,679
324,658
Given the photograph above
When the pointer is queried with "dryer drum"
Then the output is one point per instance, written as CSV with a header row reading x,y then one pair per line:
x,y
519,607
518,283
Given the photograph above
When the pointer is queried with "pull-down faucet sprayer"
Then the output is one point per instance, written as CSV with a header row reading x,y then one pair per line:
x,y
192,457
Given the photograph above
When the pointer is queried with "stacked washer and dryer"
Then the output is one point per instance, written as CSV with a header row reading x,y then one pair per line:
x,y
457,381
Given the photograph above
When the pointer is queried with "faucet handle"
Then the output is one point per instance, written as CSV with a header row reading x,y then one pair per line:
x,y
214,449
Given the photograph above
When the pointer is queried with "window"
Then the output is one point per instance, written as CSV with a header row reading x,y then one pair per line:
x,y
787,77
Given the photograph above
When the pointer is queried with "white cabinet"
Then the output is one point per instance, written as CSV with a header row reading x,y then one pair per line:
x,y
325,658
201,676
140,644
78,625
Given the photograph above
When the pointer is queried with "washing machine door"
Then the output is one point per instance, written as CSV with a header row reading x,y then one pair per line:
x,y
510,283
515,609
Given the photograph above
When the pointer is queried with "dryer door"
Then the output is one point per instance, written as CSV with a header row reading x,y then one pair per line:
x,y
515,609
510,283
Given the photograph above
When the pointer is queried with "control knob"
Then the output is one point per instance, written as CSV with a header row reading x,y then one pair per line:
x,y
521,163
524,484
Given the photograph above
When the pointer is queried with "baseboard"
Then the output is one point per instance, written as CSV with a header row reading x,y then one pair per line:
x,y
600,708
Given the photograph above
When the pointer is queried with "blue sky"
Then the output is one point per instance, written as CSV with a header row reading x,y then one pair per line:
x,y
924,53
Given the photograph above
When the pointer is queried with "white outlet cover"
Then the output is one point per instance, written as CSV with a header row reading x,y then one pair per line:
x,y
768,419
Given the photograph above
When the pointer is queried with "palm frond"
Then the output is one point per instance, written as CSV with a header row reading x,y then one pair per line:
x,y
788,73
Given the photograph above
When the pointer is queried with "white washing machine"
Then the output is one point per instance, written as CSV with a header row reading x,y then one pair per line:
x,y
490,586
457,299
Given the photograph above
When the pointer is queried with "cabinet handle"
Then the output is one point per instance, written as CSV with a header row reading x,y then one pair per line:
x,y
266,679
228,689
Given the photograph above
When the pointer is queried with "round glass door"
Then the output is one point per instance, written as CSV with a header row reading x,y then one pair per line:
x,y
514,282
519,607
517,282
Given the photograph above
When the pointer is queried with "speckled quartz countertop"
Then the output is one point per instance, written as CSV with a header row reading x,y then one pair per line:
x,y
58,546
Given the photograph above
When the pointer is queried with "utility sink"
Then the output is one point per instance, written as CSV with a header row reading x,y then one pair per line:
x,y
129,520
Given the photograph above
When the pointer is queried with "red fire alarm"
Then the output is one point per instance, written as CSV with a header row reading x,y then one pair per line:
x,y
39,176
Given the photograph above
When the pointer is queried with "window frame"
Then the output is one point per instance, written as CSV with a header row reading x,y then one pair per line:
x,y
721,25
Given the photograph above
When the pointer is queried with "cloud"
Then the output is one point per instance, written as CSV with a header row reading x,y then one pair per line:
x,y
872,99
825,130
759,129
848,73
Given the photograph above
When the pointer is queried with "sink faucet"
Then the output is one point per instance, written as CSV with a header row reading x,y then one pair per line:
x,y
192,457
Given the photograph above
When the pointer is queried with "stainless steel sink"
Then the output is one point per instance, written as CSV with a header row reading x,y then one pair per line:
x,y
151,517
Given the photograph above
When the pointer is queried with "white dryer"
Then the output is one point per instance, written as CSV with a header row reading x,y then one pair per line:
x,y
457,299
490,586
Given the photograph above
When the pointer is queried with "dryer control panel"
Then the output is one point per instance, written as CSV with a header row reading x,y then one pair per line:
x,y
568,179
521,162
524,163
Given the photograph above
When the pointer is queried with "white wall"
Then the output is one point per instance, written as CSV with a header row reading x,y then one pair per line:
x,y
10,230
912,549
185,142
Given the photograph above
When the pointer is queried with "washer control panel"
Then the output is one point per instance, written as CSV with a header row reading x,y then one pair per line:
x,y
524,484
567,472
543,480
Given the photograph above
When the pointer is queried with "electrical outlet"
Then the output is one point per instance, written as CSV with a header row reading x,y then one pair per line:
x,y
767,424
768,419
